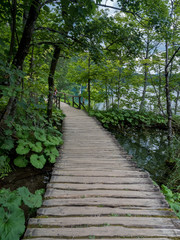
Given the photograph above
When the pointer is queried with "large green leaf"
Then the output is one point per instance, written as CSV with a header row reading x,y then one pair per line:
x,y
29,199
8,144
22,148
40,136
20,161
8,198
52,159
12,223
36,147
37,161
51,151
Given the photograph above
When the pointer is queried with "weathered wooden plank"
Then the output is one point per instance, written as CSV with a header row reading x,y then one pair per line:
x,y
144,222
110,202
102,193
110,180
133,186
100,211
44,238
113,231
85,173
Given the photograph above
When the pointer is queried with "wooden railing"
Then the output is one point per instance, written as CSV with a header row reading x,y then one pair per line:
x,y
74,101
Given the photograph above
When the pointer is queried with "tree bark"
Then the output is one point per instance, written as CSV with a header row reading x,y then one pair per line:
x,y
168,98
22,52
89,84
176,102
13,29
51,80
142,105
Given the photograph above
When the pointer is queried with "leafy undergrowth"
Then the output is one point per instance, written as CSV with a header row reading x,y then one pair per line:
x,y
12,220
27,140
123,118
31,140
172,198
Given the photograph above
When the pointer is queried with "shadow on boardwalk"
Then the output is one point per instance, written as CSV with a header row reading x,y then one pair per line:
x,y
95,192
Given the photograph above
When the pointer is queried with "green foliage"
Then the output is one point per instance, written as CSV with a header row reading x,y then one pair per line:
x,y
123,118
30,139
21,161
172,198
38,161
12,220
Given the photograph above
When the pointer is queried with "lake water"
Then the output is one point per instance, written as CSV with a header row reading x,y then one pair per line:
x,y
149,149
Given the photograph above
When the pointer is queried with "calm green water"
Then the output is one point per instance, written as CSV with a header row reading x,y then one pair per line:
x,y
149,151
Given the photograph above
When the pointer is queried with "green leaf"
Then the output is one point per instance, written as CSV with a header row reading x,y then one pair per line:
x,y
9,199
29,199
37,161
22,148
12,223
40,136
37,147
52,159
8,144
51,151
20,161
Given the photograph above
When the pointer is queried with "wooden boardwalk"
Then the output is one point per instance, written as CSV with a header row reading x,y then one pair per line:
x,y
96,192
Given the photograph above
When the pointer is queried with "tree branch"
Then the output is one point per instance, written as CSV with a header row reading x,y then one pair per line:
x,y
173,56
119,9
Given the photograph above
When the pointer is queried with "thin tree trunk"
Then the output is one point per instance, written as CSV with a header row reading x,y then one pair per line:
x,y
51,80
89,84
142,105
22,52
13,29
107,103
168,98
176,102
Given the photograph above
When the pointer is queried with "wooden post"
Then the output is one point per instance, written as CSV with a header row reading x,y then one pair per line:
x,y
59,102
79,102
73,101
64,97
56,101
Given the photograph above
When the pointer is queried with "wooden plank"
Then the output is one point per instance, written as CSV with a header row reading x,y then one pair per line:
x,y
112,231
99,211
110,202
44,238
108,180
102,193
88,173
133,186
144,222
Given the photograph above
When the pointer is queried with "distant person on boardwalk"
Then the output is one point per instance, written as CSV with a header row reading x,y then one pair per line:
x,y
55,93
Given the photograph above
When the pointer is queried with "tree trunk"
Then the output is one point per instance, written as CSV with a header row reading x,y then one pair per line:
x,y
107,102
13,29
89,84
168,98
22,52
176,103
142,105
51,80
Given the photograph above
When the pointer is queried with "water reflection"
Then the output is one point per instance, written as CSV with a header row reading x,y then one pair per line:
x,y
149,151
